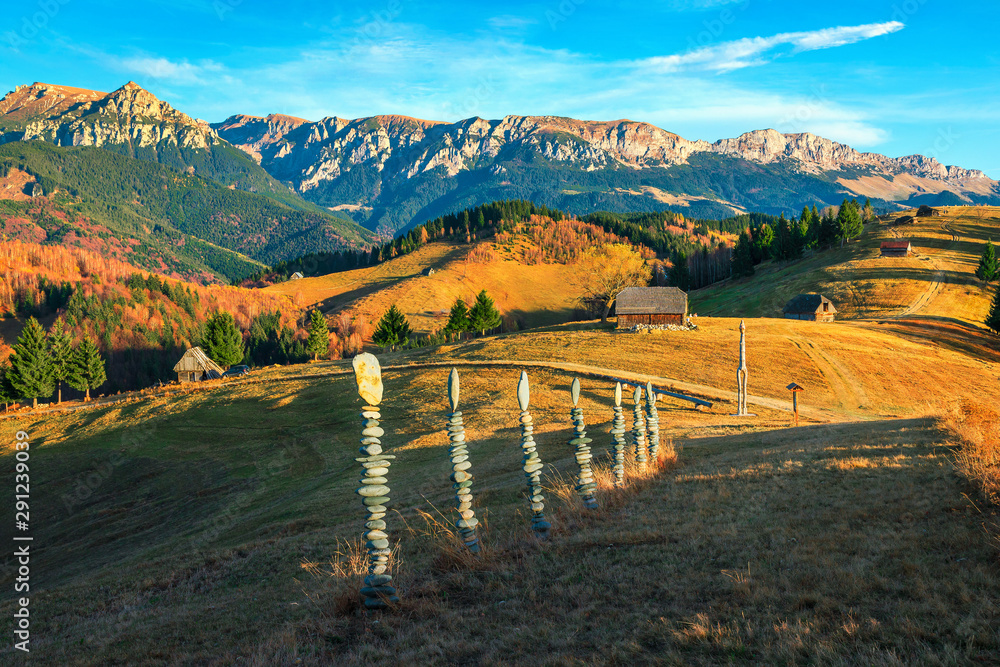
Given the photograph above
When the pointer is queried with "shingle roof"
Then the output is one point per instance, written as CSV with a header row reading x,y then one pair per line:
x,y
651,300
903,243
808,303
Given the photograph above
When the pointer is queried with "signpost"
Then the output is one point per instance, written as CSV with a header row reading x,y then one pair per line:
x,y
795,389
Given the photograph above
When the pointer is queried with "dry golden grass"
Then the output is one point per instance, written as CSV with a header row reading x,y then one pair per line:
x,y
977,428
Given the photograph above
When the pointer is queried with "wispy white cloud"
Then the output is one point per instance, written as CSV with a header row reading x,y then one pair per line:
x,y
752,51
511,22
169,70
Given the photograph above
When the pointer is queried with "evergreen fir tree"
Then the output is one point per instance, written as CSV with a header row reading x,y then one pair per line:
x,y
458,318
763,237
742,260
680,276
31,372
483,316
988,269
87,368
223,341
7,395
849,223
993,319
61,351
392,330
319,335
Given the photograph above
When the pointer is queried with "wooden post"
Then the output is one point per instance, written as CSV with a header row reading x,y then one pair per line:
x,y
795,389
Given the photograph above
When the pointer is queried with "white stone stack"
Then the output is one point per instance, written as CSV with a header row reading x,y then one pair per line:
x,y
460,464
618,438
377,592
532,464
639,428
585,485
652,423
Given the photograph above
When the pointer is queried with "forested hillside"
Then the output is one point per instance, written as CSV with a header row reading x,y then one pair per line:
x,y
141,322
200,224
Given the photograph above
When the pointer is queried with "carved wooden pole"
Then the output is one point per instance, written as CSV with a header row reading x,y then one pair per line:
x,y
462,478
532,464
377,591
618,437
638,428
585,483
652,423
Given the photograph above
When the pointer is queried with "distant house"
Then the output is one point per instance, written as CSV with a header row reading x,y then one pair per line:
x,y
651,305
896,248
195,365
297,275
815,307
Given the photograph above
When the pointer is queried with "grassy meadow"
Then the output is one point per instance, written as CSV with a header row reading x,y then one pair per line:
x,y
218,524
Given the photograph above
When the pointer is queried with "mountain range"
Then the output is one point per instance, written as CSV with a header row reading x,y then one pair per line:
x,y
385,174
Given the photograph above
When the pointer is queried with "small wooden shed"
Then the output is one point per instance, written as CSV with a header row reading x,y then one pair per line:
x,y
195,365
297,276
896,248
651,306
814,307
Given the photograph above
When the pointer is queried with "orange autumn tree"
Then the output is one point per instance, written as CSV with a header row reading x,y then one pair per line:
x,y
608,269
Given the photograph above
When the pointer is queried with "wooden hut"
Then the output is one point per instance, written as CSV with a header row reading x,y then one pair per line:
x,y
896,248
297,276
651,306
814,307
195,365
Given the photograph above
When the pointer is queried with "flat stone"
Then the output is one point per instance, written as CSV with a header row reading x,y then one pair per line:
x,y
373,491
368,414
580,441
537,507
375,516
537,498
375,525
467,523
374,591
377,544
463,507
378,570
460,458
457,414
462,485
464,497
377,472
373,480
462,465
457,437
369,423
373,449
368,375
382,554
376,535
373,432
382,459
460,477
467,514
377,579
533,467
375,501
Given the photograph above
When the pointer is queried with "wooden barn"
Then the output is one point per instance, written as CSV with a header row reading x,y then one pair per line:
x,y
896,248
814,307
651,305
195,365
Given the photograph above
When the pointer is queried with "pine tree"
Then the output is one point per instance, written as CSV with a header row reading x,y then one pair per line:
x,y
993,319
223,341
680,276
763,238
483,316
742,261
989,269
87,368
458,318
61,351
392,330
7,395
31,372
849,222
319,335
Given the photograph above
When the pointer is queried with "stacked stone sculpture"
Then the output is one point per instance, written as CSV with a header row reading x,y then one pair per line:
x,y
377,591
532,464
585,484
652,423
741,375
460,476
618,438
639,428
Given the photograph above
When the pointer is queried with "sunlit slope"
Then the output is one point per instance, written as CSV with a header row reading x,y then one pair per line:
x,y
938,281
531,295
191,514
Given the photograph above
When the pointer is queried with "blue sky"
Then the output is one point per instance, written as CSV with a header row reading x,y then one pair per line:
x,y
892,76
